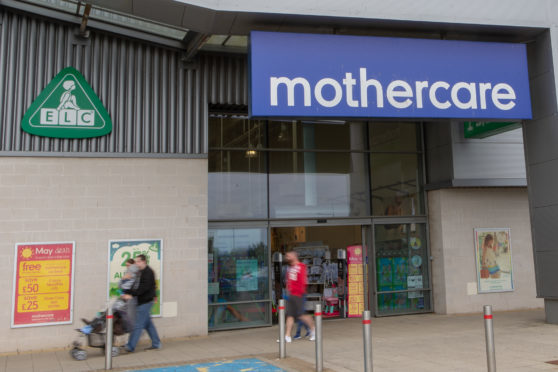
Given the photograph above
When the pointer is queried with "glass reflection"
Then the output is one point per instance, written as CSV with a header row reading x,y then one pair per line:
x,y
239,315
317,184
304,135
238,267
235,131
396,181
401,265
237,184
394,136
238,271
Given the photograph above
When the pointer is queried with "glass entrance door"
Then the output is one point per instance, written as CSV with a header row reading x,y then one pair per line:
x,y
332,282
238,278
402,269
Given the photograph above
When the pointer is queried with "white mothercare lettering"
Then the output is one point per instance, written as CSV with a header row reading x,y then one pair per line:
x,y
366,91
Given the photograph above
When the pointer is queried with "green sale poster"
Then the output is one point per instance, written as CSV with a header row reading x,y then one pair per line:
x,y
122,250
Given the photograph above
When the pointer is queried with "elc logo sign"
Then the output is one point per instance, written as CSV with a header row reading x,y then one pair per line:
x,y
67,108
302,75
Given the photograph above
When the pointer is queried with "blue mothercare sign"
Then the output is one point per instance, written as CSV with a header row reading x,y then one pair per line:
x,y
307,75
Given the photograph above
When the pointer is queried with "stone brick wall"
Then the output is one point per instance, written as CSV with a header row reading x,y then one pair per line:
x,y
91,201
453,214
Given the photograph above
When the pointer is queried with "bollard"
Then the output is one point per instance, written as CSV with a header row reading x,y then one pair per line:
x,y
489,333
318,334
367,334
108,342
282,348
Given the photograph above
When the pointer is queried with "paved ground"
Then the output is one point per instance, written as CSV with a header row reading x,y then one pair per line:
x,y
416,343
251,364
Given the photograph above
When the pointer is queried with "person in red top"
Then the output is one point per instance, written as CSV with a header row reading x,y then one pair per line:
x,y
296,288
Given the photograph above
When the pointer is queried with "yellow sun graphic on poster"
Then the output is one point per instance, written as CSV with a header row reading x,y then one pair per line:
x,y
26,253
357,251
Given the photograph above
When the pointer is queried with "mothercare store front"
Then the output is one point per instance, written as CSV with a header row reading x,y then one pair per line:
x,y
329,162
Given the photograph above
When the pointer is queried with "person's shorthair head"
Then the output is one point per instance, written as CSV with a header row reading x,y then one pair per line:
x,y
141,261
141,257
291,257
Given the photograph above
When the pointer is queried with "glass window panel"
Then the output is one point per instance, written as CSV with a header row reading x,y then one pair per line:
x,y
238,265
397,187
394,136
401,264
310,184
235,131
403,302
237,185
239,315
298,135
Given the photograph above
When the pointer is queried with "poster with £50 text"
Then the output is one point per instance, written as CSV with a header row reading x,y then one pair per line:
x,y
43,284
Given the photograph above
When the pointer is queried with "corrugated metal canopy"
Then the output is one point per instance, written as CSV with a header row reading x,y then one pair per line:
x,y
117,15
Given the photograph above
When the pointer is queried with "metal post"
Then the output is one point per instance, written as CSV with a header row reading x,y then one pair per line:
x,y
365,267
489,333
108,342
318,334
282,348
342,269
367,333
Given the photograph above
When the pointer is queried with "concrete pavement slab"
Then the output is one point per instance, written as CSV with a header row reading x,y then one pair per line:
x,y
43,362
429,342
22,362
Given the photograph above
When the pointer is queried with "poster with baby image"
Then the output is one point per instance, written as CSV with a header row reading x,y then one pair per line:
x,y
493,260
121,276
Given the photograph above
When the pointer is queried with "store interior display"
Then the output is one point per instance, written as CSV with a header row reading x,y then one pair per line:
x,y
318,248
322,278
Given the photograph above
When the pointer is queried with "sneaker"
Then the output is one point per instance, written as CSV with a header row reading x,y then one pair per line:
x,y
312,336
287,339
297,337
125,350
154,348
308,334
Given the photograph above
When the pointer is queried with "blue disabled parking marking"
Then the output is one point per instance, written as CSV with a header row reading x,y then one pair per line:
x,y
239,365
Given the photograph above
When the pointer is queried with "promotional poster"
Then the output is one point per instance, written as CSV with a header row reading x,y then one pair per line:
x,y
355,281
122,250
493,260
43,284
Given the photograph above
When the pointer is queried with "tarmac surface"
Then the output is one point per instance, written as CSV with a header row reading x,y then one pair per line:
x,y
427,342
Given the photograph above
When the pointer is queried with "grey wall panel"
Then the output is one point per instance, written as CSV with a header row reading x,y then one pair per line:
x,y
543,181
541,140
542,162
485,161
543,226
540,59
543,99
157,106
547,280
438,143
496,157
